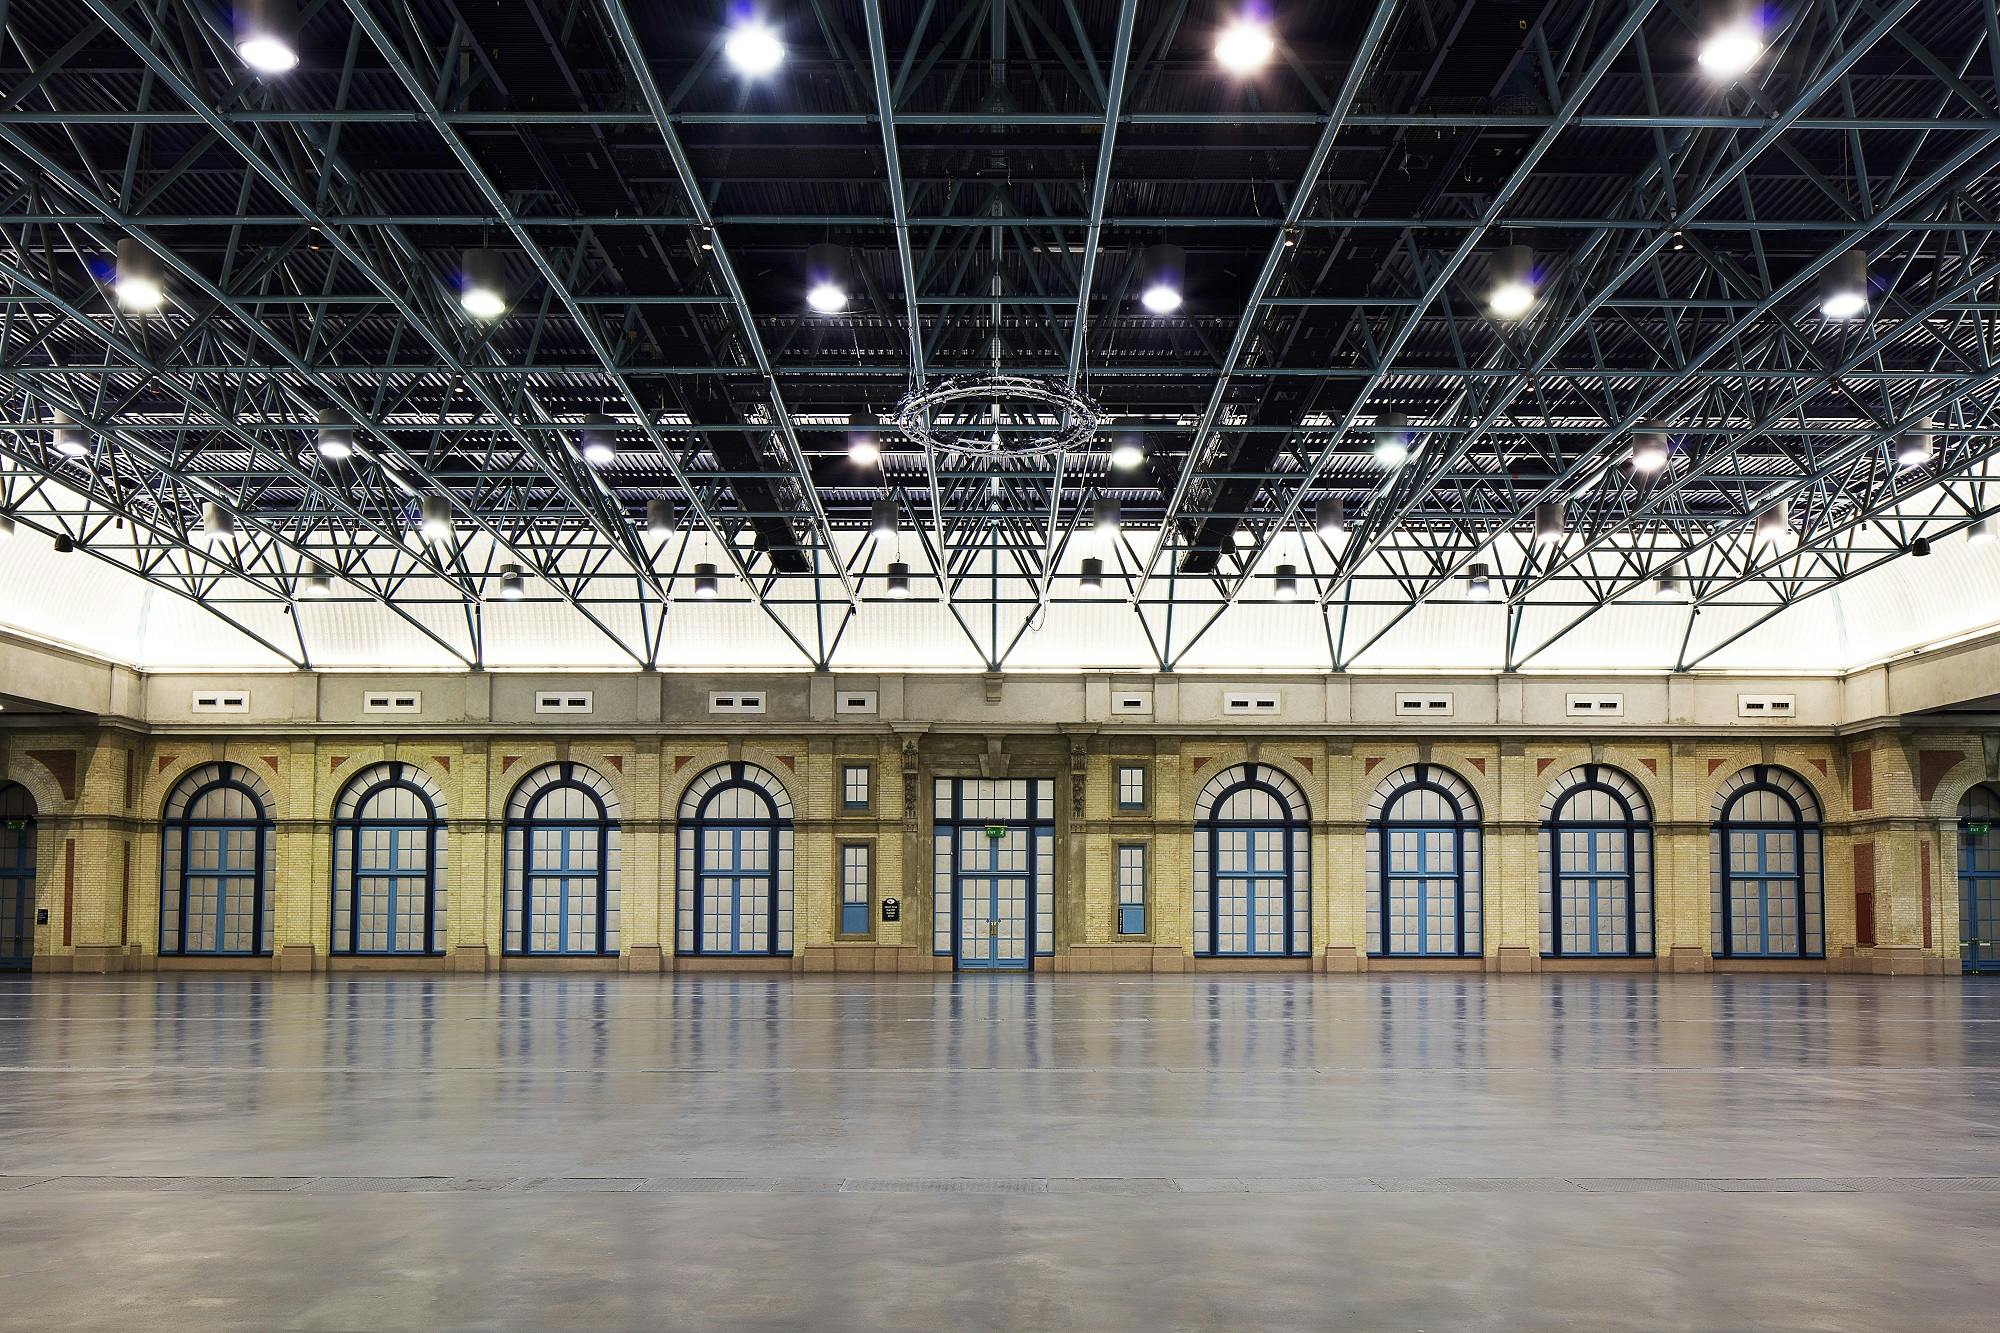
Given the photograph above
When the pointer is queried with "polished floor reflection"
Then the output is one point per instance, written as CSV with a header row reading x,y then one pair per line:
x,y
1091,1152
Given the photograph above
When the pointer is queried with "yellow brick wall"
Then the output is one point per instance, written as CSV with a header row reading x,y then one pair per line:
x,y
100,793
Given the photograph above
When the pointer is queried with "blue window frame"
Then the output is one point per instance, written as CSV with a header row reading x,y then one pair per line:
x,y
856,786
1423,866
17,876
389,863
1252,858
1979,879
856,887
1766,897
1596,860
563,864
1131,787
215,868
735,864
1131,888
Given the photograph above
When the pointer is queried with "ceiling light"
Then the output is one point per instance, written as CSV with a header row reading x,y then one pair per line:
x,y
1649,449
1392,438
1548,522
1478,582
70,439
754,48
512,586
661,520
1921,547
600,440
1513,293
435,524
63,543
1979,533
862,450
899,579
335,441
7,526
1732,48
318,582
218,525
706,585
883,520
1245,46
1330,517
1914,447
1162,275
136,279
483,283
826,278
1092,578
1843,287
1668,588
1127,454
1104,516
1774,524
1287,586
267,35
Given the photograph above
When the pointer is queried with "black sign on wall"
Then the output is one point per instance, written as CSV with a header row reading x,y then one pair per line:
x,y
892,910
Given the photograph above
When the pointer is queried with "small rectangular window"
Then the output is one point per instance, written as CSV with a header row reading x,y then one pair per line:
x,y
1131,889
854,888
854,786
1131,787
562,701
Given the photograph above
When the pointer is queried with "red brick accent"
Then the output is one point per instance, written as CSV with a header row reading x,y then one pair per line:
x,y
1714,764
272,760
1861,779
1305,761
166,761
443,761
789,761
1864,894
617,761
1196,767
1924,858
333,764
1820,764
1652,766
507,761
680,762
1479,764
1542,766
1932,765
62,765
1368,764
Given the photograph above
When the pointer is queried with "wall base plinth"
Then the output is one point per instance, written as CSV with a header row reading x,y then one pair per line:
x,y
1517,958
294,958
471,958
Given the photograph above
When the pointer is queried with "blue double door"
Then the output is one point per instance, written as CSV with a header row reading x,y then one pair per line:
x,y
995,927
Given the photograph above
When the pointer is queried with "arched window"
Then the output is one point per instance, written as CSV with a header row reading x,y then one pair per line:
x,y
388,863
1597,866
1423,865
735,864
1979,879
1252,866
562,863
17,875
215,863
1764,867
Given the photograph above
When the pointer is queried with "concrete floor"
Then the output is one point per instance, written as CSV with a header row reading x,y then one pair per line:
x,y
1089,1152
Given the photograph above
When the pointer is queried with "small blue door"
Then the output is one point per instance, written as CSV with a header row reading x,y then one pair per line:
x,y
993,899
1979,880
17,876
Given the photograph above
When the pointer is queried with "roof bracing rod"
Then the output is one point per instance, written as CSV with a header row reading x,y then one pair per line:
x,y
136,442
1594,457
307,213
1573,102
622,533
1252,319
649,89
906,267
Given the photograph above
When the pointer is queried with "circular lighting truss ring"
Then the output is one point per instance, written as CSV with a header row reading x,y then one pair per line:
x,y
917,415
